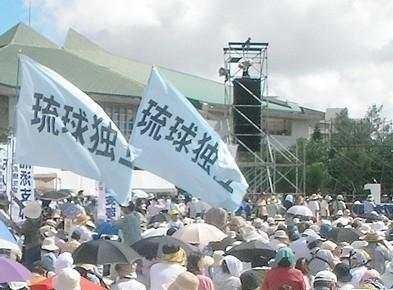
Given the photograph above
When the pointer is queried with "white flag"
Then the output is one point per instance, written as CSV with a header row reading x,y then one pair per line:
x,y
180,146
59,126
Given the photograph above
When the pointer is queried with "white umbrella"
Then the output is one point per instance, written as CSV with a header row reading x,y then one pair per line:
x,y
199,233
300,210
7,245
138,193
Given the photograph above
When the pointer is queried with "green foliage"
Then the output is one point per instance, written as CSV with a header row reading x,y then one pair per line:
x,y
359,151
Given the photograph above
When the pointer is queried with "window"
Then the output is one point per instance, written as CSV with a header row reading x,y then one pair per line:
x,y
278,126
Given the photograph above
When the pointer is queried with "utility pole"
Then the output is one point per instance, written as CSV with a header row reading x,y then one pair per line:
x,y
29,12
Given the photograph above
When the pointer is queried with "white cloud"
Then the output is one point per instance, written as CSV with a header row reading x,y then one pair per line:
x,y
322,53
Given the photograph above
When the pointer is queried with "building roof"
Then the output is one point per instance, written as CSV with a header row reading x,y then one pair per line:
x,y
193,87
88,76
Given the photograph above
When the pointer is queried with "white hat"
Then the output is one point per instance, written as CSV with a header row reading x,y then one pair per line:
x,y
310,233
64,260
346,251
67,279
379,226
249,233
359,244
49,244
32,209
17,285
364,229
326,276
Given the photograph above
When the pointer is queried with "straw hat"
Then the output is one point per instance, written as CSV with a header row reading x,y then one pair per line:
x,y
328,198
32,210
340,197
328,245
49,244
372,237
249,233
185,281
314,197
67,279
48,231
280,234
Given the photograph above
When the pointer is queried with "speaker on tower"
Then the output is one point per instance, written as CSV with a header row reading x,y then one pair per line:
x,y
246,96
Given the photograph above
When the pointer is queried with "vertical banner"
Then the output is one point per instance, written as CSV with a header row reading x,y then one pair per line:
x,y
22,189
108,209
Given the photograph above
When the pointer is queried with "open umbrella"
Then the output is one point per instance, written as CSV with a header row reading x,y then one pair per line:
x,y
160,218
300,210
250,251
7,245
199,233
152,247
57,194
222,245
48,284
5,233
348,235
101,252
12,271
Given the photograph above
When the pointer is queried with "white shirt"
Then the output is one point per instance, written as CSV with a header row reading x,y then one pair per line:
x,y
164,274
128,284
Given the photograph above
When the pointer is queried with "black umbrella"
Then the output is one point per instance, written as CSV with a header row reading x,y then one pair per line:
x,y
160,218
101,252
223,244
252,251
151,247
56,195
339,235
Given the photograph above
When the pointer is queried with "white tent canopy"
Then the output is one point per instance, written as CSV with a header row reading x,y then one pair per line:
x,y
62,179
150,182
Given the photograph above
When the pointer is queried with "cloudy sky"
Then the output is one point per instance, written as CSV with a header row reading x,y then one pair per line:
x,y
322,53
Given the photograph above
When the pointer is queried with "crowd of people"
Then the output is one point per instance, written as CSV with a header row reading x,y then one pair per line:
x,y
289,242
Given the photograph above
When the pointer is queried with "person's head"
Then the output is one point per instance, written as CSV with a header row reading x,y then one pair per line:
x,y
249,280
302,265
49,246
67,279
76,236
193,263
232,265
174,254
124,270
325,280
285,258
343,272
360,258
314,241
185,281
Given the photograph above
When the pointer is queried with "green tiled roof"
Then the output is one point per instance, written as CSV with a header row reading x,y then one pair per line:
x,y
193,87
88,76
22,34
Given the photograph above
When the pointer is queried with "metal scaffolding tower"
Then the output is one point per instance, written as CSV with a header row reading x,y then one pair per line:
x,y
271,163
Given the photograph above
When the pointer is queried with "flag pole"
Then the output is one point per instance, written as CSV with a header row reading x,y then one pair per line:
x,y
11,147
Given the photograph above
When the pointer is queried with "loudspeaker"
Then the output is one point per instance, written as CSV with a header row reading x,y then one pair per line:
x,y
244,90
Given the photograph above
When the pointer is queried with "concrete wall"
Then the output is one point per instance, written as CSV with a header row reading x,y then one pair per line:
x,y
4,112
